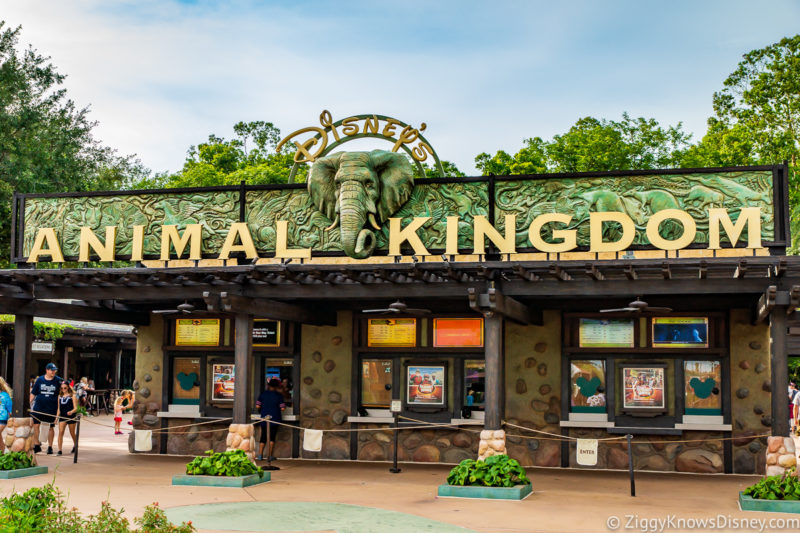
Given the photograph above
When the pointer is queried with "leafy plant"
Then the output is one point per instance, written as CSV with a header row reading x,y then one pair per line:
x,y
495,471
15,461
784,487
229,463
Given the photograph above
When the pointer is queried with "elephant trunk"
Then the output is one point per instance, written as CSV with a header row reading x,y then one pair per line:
x,y
357,241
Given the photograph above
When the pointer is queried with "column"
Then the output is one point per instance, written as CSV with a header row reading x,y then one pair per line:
x,y
780,371
243,354
493,438
23,336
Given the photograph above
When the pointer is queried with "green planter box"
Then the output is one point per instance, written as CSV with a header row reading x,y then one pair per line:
x,y
518,492
220,481
23,472
748,503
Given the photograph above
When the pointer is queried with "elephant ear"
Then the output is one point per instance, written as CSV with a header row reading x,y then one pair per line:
x,y
321,185
396,181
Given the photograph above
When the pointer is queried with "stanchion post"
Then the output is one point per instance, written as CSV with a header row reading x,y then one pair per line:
x,y
630,464
269,465
77,438
394,469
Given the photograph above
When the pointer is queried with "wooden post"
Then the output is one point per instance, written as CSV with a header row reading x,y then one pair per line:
x,y
495,384
23,336
780,371
243,352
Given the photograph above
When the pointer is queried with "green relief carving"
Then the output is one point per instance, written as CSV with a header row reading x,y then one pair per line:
x,y
216,211
637,196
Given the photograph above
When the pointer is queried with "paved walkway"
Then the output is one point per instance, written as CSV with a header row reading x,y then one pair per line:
x,y
563,500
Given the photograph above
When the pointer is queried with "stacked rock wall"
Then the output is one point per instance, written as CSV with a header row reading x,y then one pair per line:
x,y
18,436
783,453
147,385
240,437
422,446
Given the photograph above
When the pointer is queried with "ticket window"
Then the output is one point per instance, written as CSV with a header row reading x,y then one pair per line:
x,y
376,383
221,385
281,369
185,381
475,384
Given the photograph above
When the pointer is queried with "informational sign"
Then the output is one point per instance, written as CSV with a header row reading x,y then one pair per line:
x,y
197,332
266,333
680,332
644,387
606,333
586,452
223,379
392,332
426,385
396,406
42,347
458,332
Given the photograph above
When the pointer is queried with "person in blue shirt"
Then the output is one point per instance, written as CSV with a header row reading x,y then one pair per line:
x,y
269,403
44,405
5,410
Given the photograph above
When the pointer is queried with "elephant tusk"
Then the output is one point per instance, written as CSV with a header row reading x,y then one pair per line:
x,y
373,222
335,223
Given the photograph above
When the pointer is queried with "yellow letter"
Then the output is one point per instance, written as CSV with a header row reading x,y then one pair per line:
x,y
483,228
397,236
350,126
193,235
371,125
281,249
105,252
689,229
748,216
568,236
238,229
137,245
451,241
596,221
48,236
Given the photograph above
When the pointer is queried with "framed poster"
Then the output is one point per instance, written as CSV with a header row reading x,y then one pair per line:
x,y
643,388
703,381
606,333
425,385
266,333
223,377
392,332
197,332
587,386
680,332
458,332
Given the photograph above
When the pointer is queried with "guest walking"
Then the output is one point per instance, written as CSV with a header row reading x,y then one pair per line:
x,y
67,407
5,410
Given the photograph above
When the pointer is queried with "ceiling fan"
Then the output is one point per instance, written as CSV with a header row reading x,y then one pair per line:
x,y
638,306
398,307
184,308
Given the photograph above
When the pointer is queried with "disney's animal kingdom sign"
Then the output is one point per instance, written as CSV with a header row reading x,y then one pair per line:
x,y
366,204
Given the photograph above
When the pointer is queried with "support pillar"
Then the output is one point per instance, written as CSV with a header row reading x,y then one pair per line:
x,y
780,371
19,432
240,433
493,438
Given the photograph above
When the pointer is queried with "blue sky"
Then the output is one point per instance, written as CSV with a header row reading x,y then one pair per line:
x,y
483,76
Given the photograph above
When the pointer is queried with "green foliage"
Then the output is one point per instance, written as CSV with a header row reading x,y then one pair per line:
x,y
794,369
44,510
494,471
229,463
15,461
46,331
784,487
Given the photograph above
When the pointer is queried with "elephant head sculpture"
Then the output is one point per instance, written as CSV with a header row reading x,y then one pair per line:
x,y
359,191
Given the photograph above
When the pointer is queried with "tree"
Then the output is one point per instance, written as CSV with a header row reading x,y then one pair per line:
x,y
531,159
46,142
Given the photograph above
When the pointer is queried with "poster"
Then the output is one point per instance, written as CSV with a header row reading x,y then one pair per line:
x,y
266,333
588,382
644,387
425,385
703,381
606,333
392,332
458,332
680,332
222,381
197,332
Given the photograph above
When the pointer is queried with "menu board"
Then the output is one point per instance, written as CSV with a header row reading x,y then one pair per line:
x,y
606,333
392,332
223,379
457,332
266,333
197,332
680,332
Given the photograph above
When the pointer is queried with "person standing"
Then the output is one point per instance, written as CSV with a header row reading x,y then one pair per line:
x,y
44,405
5,410
794,405
270,403
123,401
67,407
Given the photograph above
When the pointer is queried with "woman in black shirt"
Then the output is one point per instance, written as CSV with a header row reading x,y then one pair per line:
x,y
67,407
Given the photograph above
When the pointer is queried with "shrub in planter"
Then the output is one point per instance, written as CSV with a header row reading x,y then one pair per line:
x,y
494,471
230,463
785,487
15,461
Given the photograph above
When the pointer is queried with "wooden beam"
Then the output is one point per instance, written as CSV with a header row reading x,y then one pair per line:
x,y
233,303
242,356
74,311
593,272
765,304
493,302
23,336
702,271
495,382
780,371
794,299
666,272
630,273
559,273
741,269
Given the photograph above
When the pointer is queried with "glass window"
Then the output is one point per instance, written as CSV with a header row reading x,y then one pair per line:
x,y
588,386
703,381
186,380
376,383
280,369
475,383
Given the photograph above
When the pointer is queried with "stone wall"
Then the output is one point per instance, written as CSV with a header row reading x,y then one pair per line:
x,y
783,453
18,436
325,367
751,394
533,389
434,445
148,383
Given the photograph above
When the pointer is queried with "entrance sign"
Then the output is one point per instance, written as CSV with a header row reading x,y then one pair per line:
x,y
392,332
197,332
457,332
42,347
426,385
606,333
586,452
266,333
680,332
